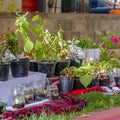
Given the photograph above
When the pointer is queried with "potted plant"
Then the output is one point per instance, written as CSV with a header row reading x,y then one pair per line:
x,y
83,76
91,50
92,73
43,42
8,48
66,80
105,67
110,42
85,73
19,66
77,54
37,46
115,71
62,52
4,65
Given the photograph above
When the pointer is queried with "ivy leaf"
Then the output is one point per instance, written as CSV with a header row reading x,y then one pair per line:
x,y
85,80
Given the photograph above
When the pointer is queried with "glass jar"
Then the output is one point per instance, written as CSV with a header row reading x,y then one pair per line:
x,y
17,93
52,91
38,90
29,92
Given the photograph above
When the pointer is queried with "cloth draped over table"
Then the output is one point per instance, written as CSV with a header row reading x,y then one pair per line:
x,y
63,105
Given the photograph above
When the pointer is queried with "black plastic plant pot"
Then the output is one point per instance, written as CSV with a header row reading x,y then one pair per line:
x,y
60,66
4,72
117,81
65,85
47,68
77,84
75,64
104,82
95,82
20,68
33,66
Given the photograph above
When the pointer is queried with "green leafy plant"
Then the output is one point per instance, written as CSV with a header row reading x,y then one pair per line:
x,y
104,68
83,47
115,63
109,39
110,42
92,69
68,72
77,53
84,42
38,41
24,27
10,42
3,48
86,72
61,46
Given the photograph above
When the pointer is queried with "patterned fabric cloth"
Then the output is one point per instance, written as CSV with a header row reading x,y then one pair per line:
x,y
87,90
64,104
104,89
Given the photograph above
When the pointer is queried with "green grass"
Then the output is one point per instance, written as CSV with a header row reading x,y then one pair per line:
x,y
96,101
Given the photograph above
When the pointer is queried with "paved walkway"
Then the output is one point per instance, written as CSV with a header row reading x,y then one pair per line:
x,y
111,114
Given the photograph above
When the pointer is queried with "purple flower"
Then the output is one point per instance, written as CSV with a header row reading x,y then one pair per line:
x,y
114,39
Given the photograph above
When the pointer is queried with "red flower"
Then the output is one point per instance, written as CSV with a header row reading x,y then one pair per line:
x,y
114,39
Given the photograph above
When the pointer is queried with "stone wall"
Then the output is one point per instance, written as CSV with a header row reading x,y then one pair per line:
x,y
73,24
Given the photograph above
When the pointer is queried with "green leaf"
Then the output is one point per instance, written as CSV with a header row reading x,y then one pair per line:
x,y
86,80
107,41
42,23
37,45
35,18
98,33
25,26
108,32
28,45
38,54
